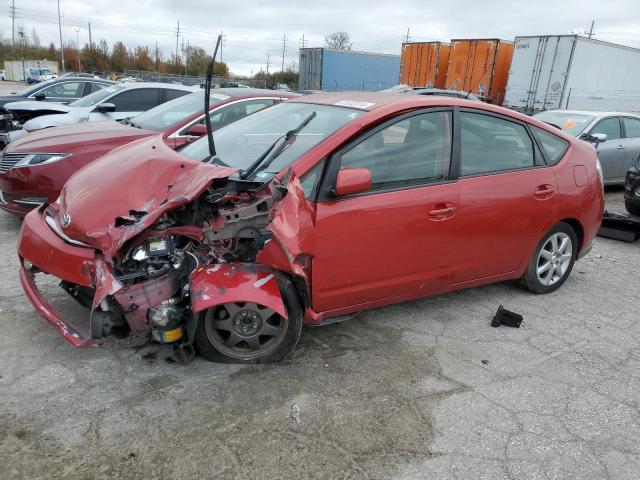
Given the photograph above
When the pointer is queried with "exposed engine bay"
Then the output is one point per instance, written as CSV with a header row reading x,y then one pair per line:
x,y
225,231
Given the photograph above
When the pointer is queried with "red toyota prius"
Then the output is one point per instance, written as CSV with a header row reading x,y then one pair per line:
x,y
34,168
307,212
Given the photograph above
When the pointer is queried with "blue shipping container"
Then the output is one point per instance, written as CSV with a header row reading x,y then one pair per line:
x,y
335,70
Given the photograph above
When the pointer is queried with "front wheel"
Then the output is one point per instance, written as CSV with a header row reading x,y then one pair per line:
x,y
552,260
246,332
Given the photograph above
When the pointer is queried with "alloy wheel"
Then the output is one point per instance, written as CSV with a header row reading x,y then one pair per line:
x,y
554,259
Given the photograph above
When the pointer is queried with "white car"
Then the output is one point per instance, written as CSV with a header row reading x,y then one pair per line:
x,y
115,102
2,75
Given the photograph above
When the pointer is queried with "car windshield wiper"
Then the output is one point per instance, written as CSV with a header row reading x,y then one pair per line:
x,y
271,153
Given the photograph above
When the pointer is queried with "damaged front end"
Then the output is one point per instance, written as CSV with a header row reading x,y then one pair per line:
x,y
211,250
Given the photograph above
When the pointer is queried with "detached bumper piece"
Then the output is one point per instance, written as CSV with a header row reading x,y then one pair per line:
x,y
71,333
620,227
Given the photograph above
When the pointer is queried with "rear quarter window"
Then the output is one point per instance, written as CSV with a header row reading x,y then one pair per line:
x,y
553,146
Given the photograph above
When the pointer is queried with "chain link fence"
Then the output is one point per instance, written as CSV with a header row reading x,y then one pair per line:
x,y
191,79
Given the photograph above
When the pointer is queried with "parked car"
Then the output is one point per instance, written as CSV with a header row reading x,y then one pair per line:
x,y
2,75
39,74
115,102
63,90
622,143
632,188
33,169
310,211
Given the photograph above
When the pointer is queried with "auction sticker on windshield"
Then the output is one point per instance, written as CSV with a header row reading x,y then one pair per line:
x,y
353,104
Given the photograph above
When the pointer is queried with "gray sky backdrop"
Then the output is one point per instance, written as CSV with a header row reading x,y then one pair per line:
x,y
254,28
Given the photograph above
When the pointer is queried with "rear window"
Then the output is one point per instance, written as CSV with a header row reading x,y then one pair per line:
x,y
554,147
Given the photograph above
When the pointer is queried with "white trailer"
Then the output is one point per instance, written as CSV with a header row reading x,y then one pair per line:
x,y
573,72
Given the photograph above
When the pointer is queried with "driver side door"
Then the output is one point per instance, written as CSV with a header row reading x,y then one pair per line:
x,y
391,242
128,104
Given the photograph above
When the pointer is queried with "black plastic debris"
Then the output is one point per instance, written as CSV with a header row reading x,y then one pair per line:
x,y
507,318
620,227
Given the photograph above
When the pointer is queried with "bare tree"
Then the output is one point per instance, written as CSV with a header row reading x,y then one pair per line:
x,y
36,38
338,41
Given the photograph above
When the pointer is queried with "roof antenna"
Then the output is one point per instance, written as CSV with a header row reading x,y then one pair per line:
x,y
207,93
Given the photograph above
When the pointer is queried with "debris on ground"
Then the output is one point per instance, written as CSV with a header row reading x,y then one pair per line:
x,y
507,318
295,413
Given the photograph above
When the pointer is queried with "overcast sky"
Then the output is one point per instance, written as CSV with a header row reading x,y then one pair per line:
x,y
254,28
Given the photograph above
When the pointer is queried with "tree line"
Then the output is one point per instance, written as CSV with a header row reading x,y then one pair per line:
x,y
100,57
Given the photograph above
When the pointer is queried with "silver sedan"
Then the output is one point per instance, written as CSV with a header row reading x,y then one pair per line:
x,y
622,130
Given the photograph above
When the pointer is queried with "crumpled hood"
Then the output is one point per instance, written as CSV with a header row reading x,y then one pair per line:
x,y
55,139
114,198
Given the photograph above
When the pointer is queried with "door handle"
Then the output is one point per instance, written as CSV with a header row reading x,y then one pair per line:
x,y
441,212
620,147
543,191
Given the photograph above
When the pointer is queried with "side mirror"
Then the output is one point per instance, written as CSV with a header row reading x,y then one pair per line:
x,y
353,180
197,130
594,137
106,108
40,97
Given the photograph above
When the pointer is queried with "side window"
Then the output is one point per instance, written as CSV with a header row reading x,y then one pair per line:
x,y
137,100
491,144
309,182
173,94
413,151
98,86
554,147
631,127
232,112
609,126
64,90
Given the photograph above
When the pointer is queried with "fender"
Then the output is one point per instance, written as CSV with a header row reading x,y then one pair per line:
x,y
236,282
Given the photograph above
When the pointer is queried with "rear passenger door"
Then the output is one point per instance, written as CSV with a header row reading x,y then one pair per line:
x,y
130,103
612,152
632,139
507,196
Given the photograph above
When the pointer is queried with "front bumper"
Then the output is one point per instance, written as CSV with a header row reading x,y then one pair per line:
x,y
48,253
631,185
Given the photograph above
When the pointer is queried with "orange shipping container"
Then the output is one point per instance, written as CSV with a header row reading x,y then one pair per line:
x,y
424,64
480,66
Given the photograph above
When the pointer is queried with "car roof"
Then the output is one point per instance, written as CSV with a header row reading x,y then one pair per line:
x,y
370,101
593,113
131,85
251,92
84,79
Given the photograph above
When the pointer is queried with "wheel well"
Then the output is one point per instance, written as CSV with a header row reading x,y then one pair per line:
x,y
577,227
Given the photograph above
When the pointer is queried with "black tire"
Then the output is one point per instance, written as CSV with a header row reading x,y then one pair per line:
x,y
632,208
286,345
530,280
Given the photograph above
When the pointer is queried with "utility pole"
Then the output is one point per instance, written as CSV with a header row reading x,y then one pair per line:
x,y
12,12
21,35
268,56
90,41
157,52
177,39
284,50
591,30
78,45
406,38
303,42
61,45
186,57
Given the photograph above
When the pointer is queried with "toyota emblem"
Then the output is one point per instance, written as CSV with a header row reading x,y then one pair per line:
x,y
66,220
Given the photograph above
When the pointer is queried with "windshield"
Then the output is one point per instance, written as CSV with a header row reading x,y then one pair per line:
x,y
169,113
241,143
572,123
97,97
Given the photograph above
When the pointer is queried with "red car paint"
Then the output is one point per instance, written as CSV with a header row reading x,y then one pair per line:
x,y
352,253
85,142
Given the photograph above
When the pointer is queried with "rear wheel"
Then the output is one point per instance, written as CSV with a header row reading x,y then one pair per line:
x,y
632,208
246,332
552,260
